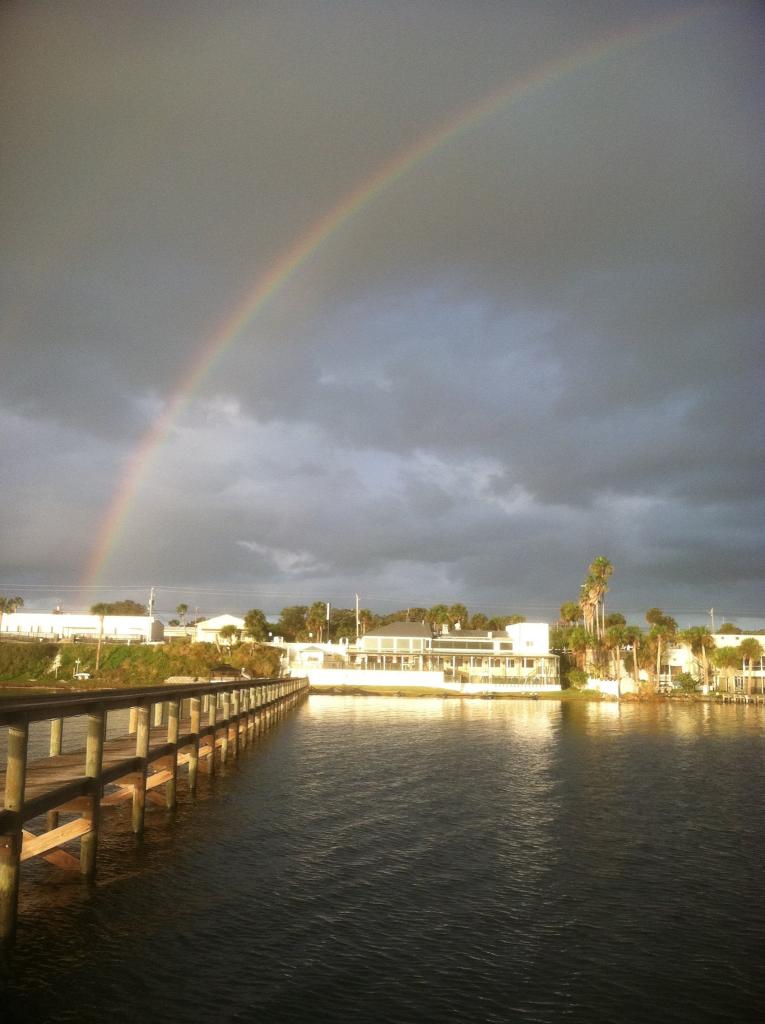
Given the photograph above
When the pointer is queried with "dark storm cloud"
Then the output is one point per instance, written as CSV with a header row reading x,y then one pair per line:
x,y
542,342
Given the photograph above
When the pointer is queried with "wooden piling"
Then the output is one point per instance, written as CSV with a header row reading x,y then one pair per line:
x,y
235,723
171,786
212,719
94,756
10,842
194,724
226,727
56,745
142,753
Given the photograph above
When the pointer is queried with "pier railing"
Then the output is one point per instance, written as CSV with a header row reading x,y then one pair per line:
x,y
191,725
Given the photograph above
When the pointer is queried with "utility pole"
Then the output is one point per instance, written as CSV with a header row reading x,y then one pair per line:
x,y
151,602
712,617
357,618
329,638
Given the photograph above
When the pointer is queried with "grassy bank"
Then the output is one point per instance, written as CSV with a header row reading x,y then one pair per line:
x,y
429,691
39,665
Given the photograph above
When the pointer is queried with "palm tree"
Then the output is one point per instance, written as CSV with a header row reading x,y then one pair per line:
x,y
315,620
229,634
256,625
9,605
634,637
458,613
615,638
587,603
438,615
182,610
600,572
728,659
750,650
100,610
570,613
700,641
592,595
663,627
580,641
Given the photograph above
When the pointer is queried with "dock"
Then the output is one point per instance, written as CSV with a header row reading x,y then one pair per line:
x,y
174,732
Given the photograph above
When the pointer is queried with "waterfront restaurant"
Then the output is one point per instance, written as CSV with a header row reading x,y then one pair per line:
x,y
518,654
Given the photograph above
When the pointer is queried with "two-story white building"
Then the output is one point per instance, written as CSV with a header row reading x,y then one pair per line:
x,y
519,653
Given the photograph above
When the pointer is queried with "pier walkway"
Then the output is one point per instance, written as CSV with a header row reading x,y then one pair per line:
x,y
190,726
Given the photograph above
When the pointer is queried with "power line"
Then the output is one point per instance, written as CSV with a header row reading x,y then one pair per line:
x,y
337,597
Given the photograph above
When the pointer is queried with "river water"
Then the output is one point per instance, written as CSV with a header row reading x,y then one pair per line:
x,y
406,860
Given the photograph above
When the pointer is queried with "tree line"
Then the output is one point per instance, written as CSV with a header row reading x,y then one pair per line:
x,y
593,643
303,623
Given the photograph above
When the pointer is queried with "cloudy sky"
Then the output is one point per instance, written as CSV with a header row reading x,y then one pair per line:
x,y
539,343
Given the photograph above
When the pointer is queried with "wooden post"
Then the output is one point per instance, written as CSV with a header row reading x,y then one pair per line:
x,y
235,716
226,727
251,714
142,751
56,743
195,706
171,786
133,721
94,755
158,713
10,843
56,736
244,708
212,704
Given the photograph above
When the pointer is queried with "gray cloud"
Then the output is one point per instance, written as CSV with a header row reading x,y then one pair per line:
x,y
542,342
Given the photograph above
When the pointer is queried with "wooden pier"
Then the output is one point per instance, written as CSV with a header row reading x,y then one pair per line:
x,y
188,726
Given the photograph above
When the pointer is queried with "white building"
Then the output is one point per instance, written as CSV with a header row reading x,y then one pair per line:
x,y
518,653
297,658
65,626
208,631
517,658
680,658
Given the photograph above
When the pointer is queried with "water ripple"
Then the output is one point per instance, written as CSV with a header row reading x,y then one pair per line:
x,y
406,861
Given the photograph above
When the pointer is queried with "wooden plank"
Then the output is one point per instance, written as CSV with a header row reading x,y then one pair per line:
x,y
122,795
34,845
62,859
158,779
77,806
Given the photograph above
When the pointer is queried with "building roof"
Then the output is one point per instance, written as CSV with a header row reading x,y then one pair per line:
x,y
219,621
416,629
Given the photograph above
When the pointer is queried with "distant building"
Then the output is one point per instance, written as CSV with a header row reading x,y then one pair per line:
x,y
518,654
208,631
678,657
64,626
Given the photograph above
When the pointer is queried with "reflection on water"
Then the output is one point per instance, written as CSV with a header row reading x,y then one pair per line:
x,y
384,859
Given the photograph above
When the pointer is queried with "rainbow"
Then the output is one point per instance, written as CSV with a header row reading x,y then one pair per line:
x,y
321,231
